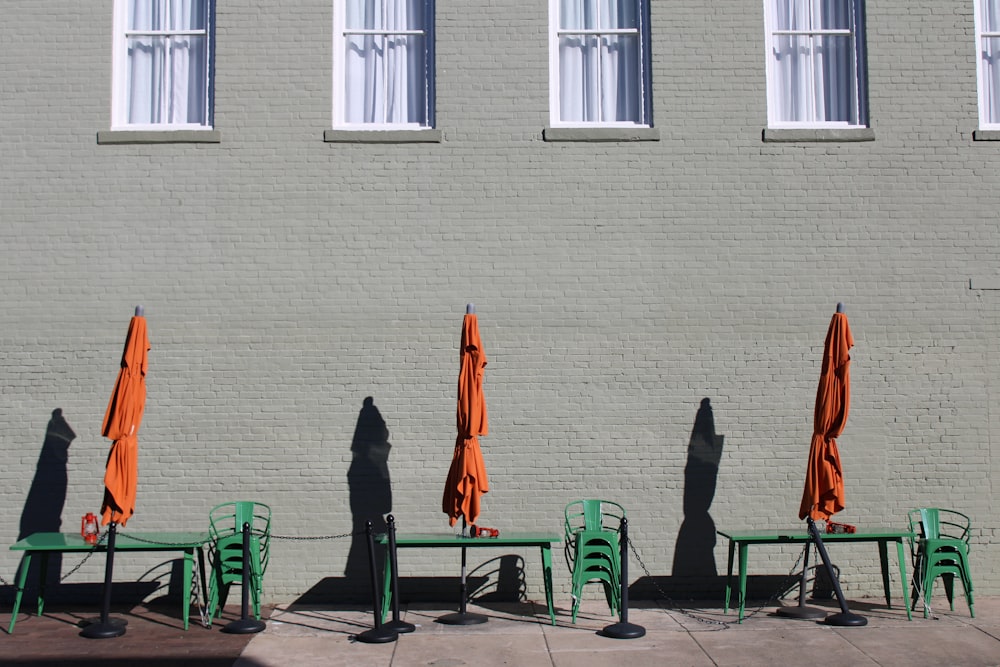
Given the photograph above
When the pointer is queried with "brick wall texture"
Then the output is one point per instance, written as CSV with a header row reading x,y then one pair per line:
x,y
621,288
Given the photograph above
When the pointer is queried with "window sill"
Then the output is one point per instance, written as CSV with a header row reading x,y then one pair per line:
x,y
818,135
986,135
383,136
159,137
601,134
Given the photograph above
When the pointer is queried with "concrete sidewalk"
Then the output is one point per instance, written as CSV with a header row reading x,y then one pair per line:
x,y
700,634
516,635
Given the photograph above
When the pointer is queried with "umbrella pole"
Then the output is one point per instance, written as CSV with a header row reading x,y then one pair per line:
x,y
106,628
462,617
845,618
801,611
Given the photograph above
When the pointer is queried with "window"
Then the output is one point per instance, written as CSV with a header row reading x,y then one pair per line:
x,y
383,64
988,55
162,74
599,63
816,63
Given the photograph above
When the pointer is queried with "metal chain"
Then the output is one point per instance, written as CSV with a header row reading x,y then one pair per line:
x,y
711,621
300,538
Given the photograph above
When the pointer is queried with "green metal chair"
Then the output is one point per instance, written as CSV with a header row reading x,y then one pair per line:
x,y
226,552
592,548
940,549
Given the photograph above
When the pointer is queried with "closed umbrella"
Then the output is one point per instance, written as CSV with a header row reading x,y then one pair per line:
x,y
823,495
121,425
467,480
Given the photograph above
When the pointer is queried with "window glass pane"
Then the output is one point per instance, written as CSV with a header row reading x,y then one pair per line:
x,y
791,15
146,14
990,14
385,80
794,74
835,61
833,14
188,15
384,15
145,71
991,79
620,79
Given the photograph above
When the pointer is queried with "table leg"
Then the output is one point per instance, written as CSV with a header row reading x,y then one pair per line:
x,y
186,590
22,578
729,576
386,584
902,578
547,574
883,559
744,548
43,575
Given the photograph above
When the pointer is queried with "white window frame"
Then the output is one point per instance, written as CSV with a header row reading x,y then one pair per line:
x,y
982,73
119,84
340,34
644,83
856,32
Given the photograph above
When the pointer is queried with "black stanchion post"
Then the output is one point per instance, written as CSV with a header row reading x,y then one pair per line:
x,y
106,628
379,634
396,623
245,625
623,629
845,618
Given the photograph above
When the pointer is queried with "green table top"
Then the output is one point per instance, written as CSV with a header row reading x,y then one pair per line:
x,y
453,540
167,541
864,534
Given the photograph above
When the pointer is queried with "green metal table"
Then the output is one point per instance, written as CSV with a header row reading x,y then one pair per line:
x,y
745,539
44,544
451,541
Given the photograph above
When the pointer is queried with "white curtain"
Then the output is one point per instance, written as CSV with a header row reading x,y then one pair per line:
x,y
166,75
599,75
385,73
989,21
815,74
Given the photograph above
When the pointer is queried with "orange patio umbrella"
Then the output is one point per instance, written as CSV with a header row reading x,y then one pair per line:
x,y
121,425
823,495
467,480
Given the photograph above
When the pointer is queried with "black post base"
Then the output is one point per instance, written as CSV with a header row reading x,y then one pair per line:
x,y
98,629
244,626
377,635
402,627
623,631
801,611
462,618
846,620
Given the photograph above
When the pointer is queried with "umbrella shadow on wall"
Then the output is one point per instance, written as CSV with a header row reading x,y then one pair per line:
x,y
694,554
370,491
43,507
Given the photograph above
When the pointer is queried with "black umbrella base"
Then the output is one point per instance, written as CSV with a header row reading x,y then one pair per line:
x,y
846,619
462,618
96,629
801,612
624,631
402,627
379,635
244,626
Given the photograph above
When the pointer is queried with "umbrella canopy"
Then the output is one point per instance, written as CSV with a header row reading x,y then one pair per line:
x,y
823,495
121,425
467,480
